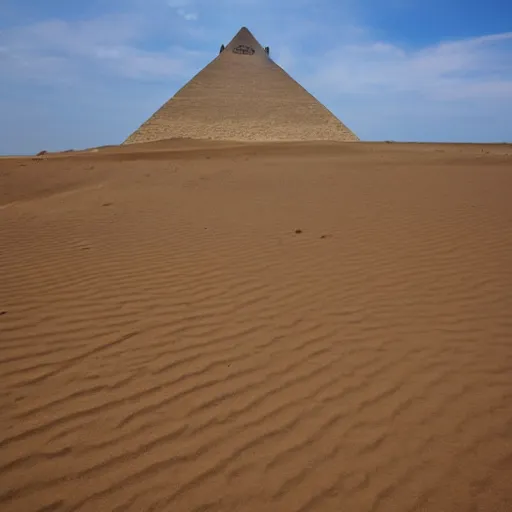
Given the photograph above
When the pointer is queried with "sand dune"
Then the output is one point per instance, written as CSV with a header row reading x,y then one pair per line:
x,y
170,342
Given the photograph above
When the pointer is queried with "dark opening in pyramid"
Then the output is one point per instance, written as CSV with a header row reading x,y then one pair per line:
x,y
243,95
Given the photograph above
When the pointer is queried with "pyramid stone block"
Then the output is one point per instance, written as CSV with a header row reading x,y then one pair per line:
x,y
243,95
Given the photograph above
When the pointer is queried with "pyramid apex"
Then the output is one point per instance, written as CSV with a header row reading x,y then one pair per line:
x,y
244,37
244,32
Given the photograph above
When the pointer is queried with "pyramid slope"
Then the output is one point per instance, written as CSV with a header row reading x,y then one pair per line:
x,y
246,98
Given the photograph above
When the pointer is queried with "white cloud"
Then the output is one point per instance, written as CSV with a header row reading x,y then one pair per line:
x,y
61,50
183,8
187,15
479,67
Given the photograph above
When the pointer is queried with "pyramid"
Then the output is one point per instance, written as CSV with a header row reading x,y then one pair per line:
x,y
243,95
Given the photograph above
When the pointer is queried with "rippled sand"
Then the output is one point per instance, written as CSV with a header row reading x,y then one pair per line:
x,y
279,327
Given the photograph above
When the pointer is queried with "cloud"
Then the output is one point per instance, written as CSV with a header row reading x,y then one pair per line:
x,y
64,51
183,8
478,67
187,15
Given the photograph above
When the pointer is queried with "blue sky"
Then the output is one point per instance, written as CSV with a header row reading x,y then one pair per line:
x,y
77,74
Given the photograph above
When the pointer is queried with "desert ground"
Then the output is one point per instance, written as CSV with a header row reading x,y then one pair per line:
x,y
200,326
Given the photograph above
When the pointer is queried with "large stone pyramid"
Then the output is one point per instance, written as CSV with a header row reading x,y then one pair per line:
x,y
243,95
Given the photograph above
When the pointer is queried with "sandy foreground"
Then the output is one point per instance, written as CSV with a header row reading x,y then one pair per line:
x,y
170,342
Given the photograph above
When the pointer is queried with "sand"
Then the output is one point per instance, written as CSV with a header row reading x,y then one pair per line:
x,y
196,326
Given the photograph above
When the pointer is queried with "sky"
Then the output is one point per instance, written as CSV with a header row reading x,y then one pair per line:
x,y
77,74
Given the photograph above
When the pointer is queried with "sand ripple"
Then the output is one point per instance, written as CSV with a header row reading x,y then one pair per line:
x,y
168,342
